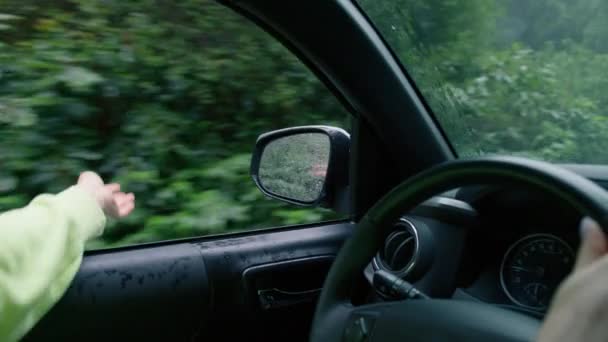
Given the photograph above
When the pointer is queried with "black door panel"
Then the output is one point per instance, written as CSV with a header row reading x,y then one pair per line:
x,y
236,313
193,290
133,294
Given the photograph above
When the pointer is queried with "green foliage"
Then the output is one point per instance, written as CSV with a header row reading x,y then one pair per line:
x,y
295,166
165,97
168,97
508,76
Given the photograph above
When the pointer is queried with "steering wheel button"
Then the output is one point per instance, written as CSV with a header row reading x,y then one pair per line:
x,y
359,328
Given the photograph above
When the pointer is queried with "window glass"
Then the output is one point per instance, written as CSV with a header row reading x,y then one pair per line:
x,y
517,77
165,97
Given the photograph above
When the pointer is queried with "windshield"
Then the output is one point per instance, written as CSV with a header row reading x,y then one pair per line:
x,y
514,77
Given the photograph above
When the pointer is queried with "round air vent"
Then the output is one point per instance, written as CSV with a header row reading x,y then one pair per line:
x,y
400,250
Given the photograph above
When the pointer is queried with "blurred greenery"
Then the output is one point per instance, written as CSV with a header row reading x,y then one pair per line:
x,y
295,166
515,77
165,97
168,97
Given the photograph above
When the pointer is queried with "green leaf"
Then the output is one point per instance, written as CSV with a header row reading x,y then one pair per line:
x,y
7,17
79,78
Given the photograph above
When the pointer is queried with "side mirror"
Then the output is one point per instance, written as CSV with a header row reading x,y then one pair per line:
x,y
305,165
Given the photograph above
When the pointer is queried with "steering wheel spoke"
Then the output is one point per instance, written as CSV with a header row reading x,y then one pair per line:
x,y
452,320
434,320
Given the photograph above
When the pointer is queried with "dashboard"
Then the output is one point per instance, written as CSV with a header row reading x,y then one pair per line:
x,y
503,246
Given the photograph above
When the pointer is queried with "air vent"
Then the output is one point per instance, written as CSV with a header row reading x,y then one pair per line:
x,y
400,250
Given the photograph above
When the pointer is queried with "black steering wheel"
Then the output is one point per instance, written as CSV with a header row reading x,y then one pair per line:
x,y
336,319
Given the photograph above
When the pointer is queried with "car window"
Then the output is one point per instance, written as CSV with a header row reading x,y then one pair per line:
x,y
165,97
515,77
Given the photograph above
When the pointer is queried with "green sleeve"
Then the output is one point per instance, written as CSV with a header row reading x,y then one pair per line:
x,y
41,248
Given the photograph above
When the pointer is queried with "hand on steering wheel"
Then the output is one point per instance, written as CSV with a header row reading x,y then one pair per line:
x,y
579,311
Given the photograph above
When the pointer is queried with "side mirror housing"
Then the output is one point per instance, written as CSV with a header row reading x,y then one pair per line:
x,y
305,165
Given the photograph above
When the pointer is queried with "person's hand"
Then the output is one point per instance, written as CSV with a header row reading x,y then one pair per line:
x,y
579,311
111,200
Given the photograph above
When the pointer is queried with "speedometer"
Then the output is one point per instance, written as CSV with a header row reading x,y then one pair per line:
x,y
533,268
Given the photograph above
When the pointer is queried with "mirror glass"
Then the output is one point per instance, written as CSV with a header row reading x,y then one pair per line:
x,y
295,166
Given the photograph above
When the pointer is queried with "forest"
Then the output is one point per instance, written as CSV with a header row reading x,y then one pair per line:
x,y
513,77
168,97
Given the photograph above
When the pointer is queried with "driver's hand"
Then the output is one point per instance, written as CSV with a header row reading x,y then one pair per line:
x,y
579,311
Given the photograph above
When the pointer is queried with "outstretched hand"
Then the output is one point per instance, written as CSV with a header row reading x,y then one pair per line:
x,y
579,311
111,200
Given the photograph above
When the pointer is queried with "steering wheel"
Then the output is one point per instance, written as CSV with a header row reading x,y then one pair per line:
x,y
336,319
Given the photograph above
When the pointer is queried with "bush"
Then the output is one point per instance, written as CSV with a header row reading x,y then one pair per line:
x,y
165,97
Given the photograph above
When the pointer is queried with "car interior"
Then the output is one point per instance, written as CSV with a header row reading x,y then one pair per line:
x,y
432,247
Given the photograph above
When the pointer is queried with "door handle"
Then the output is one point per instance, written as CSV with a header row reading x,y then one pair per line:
x,y
275,298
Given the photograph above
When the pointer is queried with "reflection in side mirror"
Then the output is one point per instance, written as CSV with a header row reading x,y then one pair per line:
x,y
303,165
295,166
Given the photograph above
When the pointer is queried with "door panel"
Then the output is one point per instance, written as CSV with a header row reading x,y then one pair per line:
x,y
158,291
236,312
196,289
